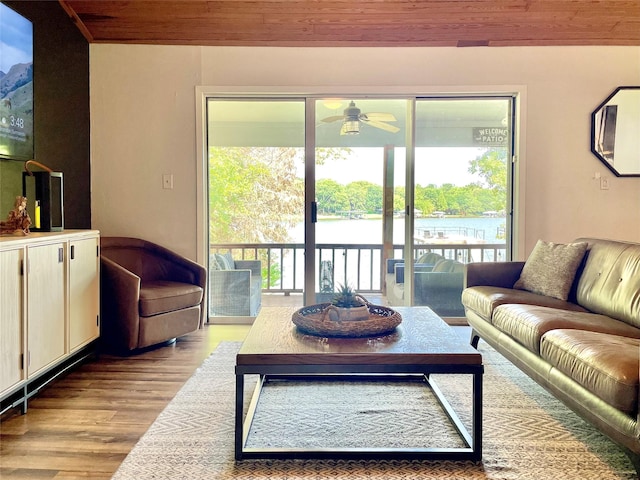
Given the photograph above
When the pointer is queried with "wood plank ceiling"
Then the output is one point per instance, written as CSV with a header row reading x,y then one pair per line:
x,y
359,23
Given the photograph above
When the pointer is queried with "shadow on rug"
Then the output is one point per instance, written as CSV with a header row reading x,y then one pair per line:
x,y
528,434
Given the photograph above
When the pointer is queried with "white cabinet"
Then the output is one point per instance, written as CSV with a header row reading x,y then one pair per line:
x,y
45,305
84,292
11,323
49,308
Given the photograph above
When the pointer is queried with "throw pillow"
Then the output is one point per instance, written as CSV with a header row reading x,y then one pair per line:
x,y
551,268
231,264
443,265
223,261
213,263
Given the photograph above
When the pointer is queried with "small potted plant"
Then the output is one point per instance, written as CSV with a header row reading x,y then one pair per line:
x,y
347,305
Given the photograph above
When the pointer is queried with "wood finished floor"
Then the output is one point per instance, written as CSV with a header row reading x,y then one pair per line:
x,y
84,424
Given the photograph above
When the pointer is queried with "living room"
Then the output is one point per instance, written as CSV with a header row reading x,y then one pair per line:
x,y
116,117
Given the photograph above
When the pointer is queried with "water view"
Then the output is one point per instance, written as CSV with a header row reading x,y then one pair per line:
x,y
369,231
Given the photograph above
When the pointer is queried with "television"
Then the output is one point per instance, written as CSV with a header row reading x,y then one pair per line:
x,y
16,85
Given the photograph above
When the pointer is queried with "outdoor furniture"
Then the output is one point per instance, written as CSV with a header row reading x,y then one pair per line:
x,y
235,286
149,294
437,284
441,288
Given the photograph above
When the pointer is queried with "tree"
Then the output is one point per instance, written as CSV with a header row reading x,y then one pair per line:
x,y
253,194
492,168
365,196
331,196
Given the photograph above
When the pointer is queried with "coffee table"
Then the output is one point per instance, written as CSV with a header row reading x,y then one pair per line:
x,y
422,345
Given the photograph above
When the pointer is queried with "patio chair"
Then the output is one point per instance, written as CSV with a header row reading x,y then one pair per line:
x,y
235,286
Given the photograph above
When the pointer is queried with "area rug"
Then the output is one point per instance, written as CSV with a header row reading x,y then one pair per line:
x,y
528,434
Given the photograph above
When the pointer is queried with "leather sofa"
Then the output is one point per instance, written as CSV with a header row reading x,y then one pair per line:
x,y
149,294
437,283
584,349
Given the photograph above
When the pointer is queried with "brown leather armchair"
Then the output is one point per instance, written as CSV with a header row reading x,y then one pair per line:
x,y
149,294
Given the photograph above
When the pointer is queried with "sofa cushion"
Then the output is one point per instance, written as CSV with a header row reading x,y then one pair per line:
x,y
551,268
610,280
483,300
528,323
162,296
224,261
606,365
430,257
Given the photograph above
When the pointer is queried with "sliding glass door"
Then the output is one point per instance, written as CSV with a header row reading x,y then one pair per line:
x,y
360,191
461,194
255,201
359,156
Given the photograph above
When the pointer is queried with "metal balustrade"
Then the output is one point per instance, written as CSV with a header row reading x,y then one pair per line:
x,y
358,265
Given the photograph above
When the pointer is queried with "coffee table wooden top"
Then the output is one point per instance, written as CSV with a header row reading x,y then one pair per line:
x,y
422,338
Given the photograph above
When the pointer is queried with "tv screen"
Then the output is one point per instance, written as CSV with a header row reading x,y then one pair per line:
x,y
16,85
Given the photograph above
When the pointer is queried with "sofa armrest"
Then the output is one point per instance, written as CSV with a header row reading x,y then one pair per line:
x,y
237,281
391,263
230,292
417,268
495,274
433,284
120,294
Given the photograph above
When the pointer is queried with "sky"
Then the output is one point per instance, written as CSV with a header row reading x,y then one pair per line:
x,y
16,45
433,166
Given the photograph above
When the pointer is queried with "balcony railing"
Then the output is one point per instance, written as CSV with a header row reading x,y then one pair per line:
x,y
359,265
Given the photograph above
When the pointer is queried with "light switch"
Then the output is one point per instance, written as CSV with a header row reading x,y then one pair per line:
x,y
167,181
604,183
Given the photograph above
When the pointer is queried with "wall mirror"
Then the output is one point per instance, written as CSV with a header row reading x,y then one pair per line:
x,y
615,132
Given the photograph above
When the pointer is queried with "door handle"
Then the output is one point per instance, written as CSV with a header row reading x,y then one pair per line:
x,y
314,212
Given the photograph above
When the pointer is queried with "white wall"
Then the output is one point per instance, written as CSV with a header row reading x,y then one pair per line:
x,y
143,124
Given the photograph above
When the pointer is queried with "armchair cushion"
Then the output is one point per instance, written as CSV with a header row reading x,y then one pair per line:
x,y
162,296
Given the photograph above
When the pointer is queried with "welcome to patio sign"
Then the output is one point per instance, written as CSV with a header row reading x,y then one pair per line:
x,y
490,136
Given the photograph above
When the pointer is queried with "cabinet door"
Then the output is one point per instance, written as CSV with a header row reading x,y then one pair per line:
x,y
45,305
11,319
84,292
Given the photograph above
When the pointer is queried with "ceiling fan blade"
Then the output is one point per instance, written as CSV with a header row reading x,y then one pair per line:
x,y
383,126
335,118
379,116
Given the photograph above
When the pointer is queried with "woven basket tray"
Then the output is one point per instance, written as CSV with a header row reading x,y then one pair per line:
x,y
313,320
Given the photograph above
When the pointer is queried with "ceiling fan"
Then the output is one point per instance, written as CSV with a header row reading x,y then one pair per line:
x,y
352,116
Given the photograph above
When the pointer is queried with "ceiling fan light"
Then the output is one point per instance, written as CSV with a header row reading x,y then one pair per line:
x,y
351,127
332,103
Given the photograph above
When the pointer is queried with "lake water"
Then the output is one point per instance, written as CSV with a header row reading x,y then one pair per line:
x,y
369,231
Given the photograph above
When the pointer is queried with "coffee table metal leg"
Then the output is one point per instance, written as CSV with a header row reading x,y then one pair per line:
x,y
239,408
477,416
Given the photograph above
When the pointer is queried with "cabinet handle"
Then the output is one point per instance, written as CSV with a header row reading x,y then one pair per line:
x,y
60,255
73,252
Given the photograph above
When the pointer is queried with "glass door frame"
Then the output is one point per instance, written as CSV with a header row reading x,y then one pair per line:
x,y
515,243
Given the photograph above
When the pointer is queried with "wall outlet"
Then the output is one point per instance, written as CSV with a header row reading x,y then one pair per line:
x,y
167,181
604,183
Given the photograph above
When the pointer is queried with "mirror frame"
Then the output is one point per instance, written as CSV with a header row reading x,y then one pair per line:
x,y
594,150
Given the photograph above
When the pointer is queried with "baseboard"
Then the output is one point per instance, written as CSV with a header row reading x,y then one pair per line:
x,y
230,320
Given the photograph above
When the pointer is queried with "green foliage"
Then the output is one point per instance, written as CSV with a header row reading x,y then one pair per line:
x,y
492,168
254,195
346,298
